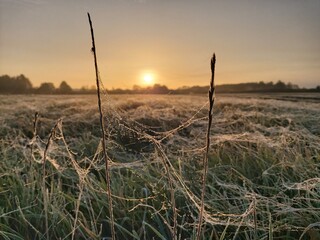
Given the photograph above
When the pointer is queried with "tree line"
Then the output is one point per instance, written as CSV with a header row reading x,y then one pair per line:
x,y
279,86
22,85
254,87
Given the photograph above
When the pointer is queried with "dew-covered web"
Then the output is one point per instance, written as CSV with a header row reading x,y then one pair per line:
x,y
264,158
263,162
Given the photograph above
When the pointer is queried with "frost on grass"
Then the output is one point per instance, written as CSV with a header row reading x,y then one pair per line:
x,y
264,176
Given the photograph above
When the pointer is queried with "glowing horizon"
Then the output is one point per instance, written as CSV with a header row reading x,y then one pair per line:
x,y
254,41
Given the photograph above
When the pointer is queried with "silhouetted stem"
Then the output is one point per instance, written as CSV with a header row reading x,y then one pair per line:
x,y
103,133
44,190
205,159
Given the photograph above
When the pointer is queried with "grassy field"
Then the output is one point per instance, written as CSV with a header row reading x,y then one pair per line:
x,y
263,180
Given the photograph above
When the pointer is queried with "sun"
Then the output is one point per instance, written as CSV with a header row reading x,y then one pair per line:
x,y
148,79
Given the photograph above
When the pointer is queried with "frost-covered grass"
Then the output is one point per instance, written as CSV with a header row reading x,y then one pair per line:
x,y
263,180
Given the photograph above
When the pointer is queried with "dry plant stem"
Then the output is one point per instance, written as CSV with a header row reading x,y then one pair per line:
x,y
103,132
255,219
35,124
52,133
173,229
77,211
33,140
205,160
44,190
24,218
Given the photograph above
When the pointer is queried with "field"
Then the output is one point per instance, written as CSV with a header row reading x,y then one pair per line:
x,y
263,180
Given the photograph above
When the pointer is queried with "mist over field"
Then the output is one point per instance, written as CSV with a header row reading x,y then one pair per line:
x,y
263,179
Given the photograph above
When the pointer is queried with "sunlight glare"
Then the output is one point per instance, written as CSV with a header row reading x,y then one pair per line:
x,y
148,79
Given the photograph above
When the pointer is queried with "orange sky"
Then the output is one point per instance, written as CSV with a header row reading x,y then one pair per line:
x,y
49,41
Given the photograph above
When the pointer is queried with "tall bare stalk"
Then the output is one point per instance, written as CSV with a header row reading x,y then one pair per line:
x,y
205,159
35,124
44,190
103,132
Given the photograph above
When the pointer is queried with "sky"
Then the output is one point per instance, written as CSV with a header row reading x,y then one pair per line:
x,y
169,42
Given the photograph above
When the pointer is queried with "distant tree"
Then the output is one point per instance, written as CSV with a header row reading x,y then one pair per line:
x,y
64,88
197,90
136,88
87,90
46,88
318,88
159,89
5,84
289,85
269,86
295,86
280,85
17,85
23,84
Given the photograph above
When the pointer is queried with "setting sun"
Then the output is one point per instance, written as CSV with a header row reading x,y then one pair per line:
x,y
148,79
